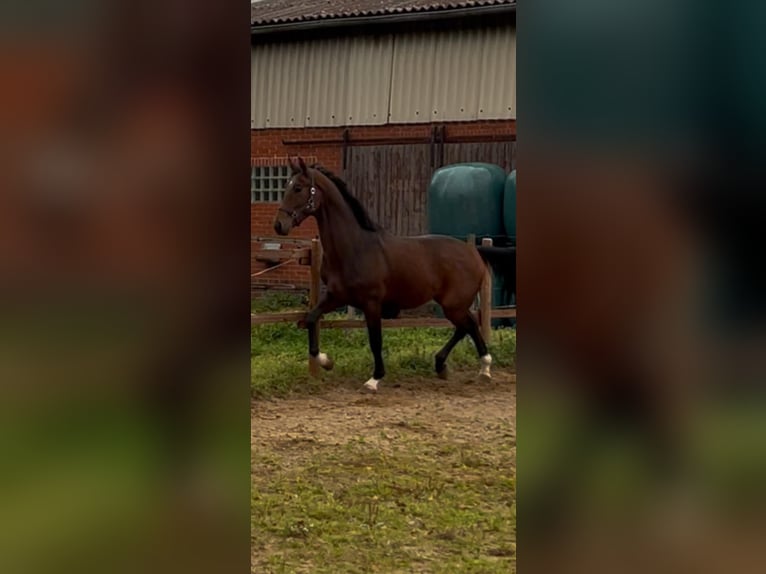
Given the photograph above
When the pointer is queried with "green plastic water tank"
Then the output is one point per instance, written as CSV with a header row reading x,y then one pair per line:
x,y
509,205
467,198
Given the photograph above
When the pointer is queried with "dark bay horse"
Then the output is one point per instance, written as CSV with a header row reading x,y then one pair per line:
x,y
368,268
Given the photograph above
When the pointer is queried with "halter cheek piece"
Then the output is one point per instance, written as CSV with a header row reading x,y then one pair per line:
x,y
308,207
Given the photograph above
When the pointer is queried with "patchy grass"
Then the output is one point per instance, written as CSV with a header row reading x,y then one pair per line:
x,y
279,352
424,505
279,302
398,482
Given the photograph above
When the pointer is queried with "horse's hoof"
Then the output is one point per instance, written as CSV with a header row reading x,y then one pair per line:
x,y
325,362
443,374
371,386
484,373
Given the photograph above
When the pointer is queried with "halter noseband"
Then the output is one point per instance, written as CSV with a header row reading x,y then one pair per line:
x,y
308,206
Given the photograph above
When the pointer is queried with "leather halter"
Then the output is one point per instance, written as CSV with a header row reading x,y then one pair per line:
x,y
309,206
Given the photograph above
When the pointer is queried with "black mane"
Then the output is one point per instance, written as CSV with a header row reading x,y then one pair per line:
x,y
360,213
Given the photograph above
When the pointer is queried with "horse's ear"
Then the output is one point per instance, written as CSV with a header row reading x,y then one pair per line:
x,y
294,164
302,165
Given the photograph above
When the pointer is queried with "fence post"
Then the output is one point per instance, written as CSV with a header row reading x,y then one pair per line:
x,y
314,287
485,297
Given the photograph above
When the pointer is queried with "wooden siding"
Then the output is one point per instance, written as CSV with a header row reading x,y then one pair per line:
x,y
391,181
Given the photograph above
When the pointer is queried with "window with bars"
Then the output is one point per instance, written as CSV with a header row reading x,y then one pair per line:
x,y
267,183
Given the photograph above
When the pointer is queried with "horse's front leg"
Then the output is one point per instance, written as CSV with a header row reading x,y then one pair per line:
x,y
375,333
326,303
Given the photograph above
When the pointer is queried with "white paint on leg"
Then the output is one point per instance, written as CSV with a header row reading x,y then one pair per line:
x,y
486,363
372,385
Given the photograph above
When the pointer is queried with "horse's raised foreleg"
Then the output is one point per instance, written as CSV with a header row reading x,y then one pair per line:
x,y
375,333
326,303
441,356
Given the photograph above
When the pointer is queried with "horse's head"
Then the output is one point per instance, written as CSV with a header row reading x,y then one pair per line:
x,y
300,200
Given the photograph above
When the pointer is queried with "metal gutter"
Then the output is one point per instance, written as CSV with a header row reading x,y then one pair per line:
x,y
344,22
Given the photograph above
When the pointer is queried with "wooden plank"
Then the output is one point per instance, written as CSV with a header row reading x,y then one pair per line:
x,y
387,323
268,318
391,182
273,256
299,317
278,255
504,313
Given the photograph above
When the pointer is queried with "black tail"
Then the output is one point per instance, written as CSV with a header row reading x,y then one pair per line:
x,y
502,261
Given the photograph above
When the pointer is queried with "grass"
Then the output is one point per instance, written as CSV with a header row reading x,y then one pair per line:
x,y
279,352
424,506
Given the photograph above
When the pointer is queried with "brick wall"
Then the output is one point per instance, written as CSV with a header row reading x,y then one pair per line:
x,y
268,143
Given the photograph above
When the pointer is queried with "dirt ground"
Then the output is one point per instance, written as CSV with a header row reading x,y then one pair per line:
x,y
460,408
414,478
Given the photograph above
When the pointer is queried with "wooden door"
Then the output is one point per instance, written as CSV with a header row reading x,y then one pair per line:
x,y
392,181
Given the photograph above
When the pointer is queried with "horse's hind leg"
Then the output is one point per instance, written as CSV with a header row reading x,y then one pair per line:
x,y
481,348
441,356
464,319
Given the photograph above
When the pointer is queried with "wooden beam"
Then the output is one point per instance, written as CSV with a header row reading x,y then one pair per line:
x,y
504,313
387,323
300,316
278,255
268,318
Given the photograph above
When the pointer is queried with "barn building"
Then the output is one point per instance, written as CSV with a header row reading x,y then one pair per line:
x,y
381,92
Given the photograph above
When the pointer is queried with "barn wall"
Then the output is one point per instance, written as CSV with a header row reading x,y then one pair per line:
x,y
268,143
447,75
451,76
327,82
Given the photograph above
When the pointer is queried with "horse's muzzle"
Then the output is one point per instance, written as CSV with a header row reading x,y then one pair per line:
x,y
282,225
278,228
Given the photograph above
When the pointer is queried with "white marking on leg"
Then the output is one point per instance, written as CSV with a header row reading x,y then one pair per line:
x,y
323,359
486,362
372,385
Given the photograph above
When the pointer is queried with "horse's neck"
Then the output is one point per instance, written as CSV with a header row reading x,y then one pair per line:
x,y
338,228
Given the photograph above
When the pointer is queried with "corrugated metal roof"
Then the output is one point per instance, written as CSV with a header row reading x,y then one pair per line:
x,y
283,11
